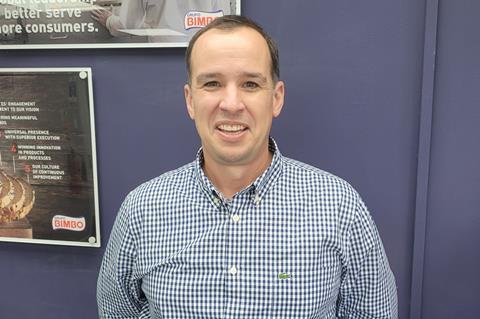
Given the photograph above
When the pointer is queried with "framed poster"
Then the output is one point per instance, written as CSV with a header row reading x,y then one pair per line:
x,y
53,24
48,174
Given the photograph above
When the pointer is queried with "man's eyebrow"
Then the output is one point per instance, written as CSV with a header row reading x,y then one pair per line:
x,y
254,75
203,77
207,76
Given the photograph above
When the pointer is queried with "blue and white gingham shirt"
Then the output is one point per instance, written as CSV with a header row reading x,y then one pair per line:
x,y
297,243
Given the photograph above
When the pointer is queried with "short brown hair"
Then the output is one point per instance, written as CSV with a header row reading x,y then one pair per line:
x,y
232,22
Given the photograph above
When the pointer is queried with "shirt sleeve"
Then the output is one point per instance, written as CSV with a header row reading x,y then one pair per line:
x,y
368,289
114,24
131,16
119,293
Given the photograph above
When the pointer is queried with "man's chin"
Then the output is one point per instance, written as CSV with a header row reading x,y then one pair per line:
x,y
232,158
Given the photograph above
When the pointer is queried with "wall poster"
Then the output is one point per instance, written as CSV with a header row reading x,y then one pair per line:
x,y
48,175
53,24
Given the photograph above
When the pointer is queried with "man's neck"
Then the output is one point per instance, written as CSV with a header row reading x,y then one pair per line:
x,y
230,179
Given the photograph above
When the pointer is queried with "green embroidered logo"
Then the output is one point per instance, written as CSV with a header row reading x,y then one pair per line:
x,y
283,275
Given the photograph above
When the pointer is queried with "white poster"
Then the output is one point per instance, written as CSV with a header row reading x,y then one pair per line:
x,y
49,24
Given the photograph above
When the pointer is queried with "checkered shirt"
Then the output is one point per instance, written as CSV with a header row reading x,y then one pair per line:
x,y
297,243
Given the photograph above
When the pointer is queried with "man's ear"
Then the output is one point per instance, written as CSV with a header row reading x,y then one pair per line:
x,y
278,98
187,91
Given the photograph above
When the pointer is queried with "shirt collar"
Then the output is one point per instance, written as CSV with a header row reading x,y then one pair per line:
x,y
258,188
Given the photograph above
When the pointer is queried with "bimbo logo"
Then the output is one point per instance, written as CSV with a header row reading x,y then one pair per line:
x,y
68,223
199,19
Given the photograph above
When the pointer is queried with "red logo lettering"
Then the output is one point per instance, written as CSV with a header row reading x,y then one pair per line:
x,y
199,19
68,223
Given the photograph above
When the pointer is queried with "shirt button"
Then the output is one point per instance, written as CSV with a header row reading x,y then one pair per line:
x,y
236,218
233,270
257,199
216,200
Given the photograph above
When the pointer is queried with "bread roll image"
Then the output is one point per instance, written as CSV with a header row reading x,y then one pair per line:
x,y
17,198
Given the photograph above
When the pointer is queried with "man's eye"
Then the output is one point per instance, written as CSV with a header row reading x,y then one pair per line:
x,y
212,84
250,85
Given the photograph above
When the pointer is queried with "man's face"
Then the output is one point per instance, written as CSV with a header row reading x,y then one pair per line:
x,y
232,97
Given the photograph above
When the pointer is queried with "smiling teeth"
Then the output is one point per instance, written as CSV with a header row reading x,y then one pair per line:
x,y
231,128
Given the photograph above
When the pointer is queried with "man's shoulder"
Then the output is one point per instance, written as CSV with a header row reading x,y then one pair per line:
x,y
303,172
315,182
165,184
323,189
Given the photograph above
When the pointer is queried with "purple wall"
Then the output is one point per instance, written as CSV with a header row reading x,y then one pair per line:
x,y
353,72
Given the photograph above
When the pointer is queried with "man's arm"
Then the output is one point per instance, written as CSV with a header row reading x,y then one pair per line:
x,y
368,289
119,294
108,20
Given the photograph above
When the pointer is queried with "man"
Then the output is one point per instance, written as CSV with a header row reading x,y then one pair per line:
x,y
243,232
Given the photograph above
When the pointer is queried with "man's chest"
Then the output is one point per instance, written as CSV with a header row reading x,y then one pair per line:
x,y
241,264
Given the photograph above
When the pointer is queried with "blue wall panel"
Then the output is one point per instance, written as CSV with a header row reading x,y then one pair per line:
x,y
452,257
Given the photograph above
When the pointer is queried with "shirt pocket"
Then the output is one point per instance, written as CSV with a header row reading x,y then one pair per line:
x,y
306,279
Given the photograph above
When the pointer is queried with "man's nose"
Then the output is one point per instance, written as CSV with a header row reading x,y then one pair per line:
x,y
232,99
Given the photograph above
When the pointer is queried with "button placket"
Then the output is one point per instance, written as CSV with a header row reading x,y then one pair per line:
x,y
235,211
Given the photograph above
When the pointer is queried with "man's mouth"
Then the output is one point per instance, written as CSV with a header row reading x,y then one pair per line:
x,y
231,128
